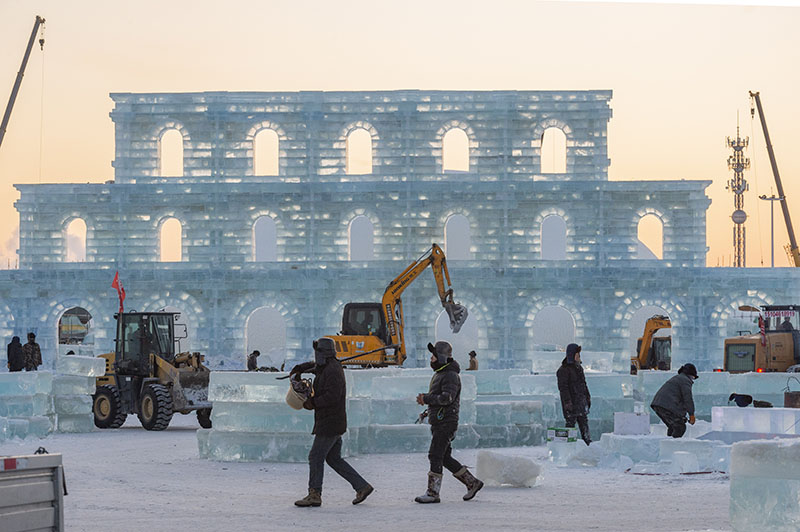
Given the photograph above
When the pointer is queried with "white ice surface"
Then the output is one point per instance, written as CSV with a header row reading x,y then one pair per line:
x,y
107,471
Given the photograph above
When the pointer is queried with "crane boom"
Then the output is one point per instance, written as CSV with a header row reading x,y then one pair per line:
x,y
793,250
7,115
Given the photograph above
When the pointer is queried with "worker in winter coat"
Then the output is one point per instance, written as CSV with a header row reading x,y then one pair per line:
x,y
328,401
32,353
252,360
444,400
473,361
674,400
16,360
575,397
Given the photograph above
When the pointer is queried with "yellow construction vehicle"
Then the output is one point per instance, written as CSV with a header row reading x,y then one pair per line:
x,y
653,352
145,376
776,347
372,333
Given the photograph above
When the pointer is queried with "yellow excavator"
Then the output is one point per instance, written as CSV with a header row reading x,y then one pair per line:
x,y
653,352
372,333
145,376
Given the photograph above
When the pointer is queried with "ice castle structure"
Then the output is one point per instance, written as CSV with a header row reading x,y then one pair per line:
x,y
406,195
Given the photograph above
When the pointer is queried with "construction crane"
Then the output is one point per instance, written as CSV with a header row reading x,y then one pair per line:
x,y
7,115
794,252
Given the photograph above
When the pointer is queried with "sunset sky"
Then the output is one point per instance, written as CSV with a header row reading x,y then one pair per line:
x,y
680,74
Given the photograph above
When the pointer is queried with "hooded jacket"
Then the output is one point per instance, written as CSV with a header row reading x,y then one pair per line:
x,y
444,394
676,395
16,360
575,397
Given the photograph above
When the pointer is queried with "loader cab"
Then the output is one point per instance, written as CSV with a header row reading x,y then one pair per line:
x,y
364,319
140,334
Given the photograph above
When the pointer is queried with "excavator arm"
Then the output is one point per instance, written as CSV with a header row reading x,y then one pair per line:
x,y
392,305
650,328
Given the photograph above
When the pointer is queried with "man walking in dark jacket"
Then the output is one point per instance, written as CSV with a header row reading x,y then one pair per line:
x,y
15,357
674,400
575,398
328,401
444,400
32,354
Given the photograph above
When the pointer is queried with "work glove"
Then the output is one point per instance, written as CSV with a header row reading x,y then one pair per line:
x,y
309,404
302,368
691,420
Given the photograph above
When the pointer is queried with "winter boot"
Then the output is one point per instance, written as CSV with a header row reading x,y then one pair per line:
x,y
434,485
314,498
468,479
363,493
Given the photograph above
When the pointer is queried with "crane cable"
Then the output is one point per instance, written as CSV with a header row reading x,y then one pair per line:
x,y
41,107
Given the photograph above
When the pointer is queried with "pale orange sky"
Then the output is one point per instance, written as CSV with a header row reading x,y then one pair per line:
x,y
679,74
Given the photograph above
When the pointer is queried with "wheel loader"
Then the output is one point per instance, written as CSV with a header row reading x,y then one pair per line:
x,y
776,347
145,376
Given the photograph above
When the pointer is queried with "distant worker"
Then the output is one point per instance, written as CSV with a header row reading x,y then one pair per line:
x,y
16,359
575,397
329,403
70,352
252,360
786,325
444,401
473,361
674,400
32,354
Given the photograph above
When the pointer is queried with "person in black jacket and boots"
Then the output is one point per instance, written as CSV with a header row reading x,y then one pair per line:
x,y
328,401
575,398
16,360
444,400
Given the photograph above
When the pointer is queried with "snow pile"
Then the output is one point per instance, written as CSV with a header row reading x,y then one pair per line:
x,y
497,469
765,486
73,387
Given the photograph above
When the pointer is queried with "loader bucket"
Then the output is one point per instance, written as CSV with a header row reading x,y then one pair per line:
x,y
192,387
457,314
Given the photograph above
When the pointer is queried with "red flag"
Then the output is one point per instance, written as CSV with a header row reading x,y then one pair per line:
x,y
761,329
120,290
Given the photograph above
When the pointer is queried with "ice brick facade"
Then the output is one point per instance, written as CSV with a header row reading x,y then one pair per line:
x,y
407,198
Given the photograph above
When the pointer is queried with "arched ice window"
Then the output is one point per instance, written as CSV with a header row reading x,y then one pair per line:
x,y
361,239
266,154
358,152
170,240
170,153
554,151
455,151
76,241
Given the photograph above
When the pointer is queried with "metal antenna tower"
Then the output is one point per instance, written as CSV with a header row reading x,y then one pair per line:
x,y
738,163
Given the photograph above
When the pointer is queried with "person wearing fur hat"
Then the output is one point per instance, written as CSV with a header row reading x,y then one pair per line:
x,y
328,401
443,400
674,400
575,397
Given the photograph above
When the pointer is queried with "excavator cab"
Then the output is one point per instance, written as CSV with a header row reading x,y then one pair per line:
x,y
364,319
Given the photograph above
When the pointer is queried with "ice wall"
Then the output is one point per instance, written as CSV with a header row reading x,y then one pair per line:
x,y
408,198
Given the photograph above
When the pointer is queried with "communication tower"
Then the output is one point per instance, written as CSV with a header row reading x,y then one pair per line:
x,y
738,163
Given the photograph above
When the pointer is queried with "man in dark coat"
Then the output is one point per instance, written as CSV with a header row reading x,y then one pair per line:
x,y
32,354
328,401
16,360
575,398
674,400
444,400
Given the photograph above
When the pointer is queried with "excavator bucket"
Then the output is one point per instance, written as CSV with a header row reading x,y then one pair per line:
x,y
457,314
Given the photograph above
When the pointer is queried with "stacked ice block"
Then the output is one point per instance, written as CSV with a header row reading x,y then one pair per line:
x,y
765,486
73,386
26,404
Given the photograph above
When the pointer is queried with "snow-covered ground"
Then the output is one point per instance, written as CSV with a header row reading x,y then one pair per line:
x,y
129,479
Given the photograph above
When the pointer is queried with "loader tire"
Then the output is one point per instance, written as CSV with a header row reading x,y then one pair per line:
x,y
107,408
204,417
155,409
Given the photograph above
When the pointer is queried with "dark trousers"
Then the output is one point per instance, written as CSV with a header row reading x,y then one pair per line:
x,y
583,426
676,425
441,452
329,449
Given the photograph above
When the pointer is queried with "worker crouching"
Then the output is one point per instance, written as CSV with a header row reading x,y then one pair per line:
x,y
443,400
674,400
328,401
